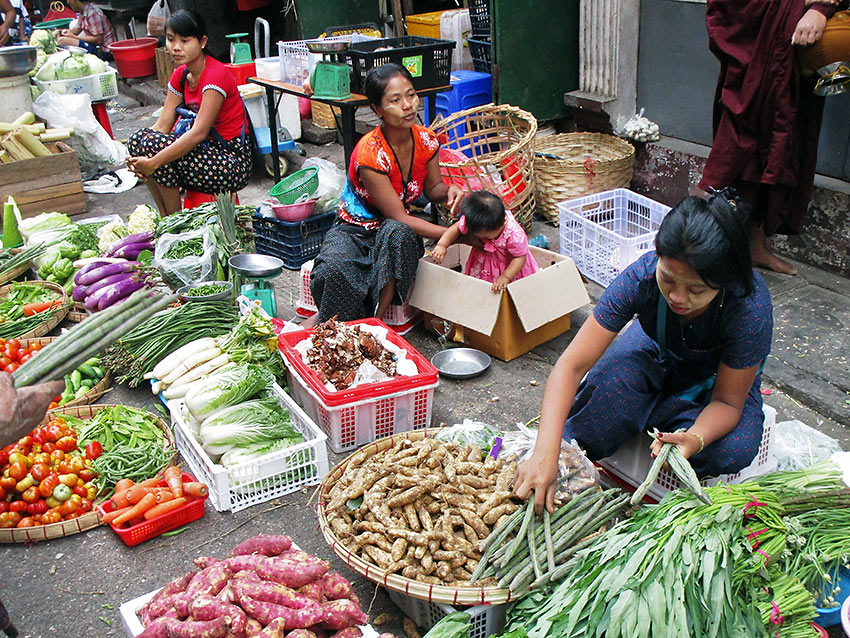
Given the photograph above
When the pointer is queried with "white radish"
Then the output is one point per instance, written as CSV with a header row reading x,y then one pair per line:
x,y
180,387
176,391
156,387
200,370
175,358
195,360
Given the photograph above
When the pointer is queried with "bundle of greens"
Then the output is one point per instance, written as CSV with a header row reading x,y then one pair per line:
x,y
10,261
253,340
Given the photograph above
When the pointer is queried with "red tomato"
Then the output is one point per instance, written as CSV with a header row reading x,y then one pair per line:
x,y
4,360
11,367
39,471
8,483
87,474
9,519
18,471
4,507
48,447
51,516
27,521
14,342
36,346
81,490
37,507
17,506
4,457
46,486
54,432
39,435
94,450
57,455
2,494
31,494
86,505
67,443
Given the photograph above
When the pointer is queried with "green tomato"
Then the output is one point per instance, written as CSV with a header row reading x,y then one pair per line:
x,y
61,492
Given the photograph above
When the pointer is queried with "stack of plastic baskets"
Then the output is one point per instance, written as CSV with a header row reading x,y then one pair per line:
x,y
293,242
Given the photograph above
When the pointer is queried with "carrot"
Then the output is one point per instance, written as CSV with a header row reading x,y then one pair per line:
x,y
196,489
111,516
164,508
151,482
136,493
31,309
119,500
123,485
174,477
134,521
163,494
147,502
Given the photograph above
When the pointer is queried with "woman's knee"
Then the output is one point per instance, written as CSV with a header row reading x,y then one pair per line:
x,y
399,234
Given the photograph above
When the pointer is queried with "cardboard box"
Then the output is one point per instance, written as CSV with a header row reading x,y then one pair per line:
x,y
531,311
45,184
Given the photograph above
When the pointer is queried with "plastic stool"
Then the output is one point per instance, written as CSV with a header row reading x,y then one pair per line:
x,y
100,114
193,199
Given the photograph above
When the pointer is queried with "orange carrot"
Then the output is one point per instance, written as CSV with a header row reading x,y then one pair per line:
x,y
164,508
123,485
120,500
111,516
196,489
136,493
134,521
174,477
147,502
163,494
151,482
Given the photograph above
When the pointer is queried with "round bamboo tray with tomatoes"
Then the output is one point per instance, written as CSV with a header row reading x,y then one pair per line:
x,y
13,353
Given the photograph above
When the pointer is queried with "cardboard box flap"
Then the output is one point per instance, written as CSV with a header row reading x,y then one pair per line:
x,y
554,291
447,294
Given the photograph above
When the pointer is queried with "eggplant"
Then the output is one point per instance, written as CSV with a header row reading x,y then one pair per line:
x,y
97,274
118,291
79,293
82,263
86,268
138,238
107,281
131,251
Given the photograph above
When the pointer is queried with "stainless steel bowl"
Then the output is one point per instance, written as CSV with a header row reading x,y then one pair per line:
x,y
461,363
254,265
17,60
73,49
327,46
184,292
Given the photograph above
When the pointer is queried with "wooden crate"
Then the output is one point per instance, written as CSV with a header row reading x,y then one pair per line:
x,y
164,66
45,184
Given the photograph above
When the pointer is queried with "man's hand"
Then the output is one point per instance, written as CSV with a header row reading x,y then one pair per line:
x,y
809,29
21,410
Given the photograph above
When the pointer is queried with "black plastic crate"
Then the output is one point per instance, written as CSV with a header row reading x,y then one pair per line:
x,y
429,60
479,16
293,242
479,50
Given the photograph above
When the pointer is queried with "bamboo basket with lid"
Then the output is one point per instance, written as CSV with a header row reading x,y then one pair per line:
x,y
55,319
571,165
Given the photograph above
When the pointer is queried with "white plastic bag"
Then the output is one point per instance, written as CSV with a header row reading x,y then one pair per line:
x,y
95,150
796,445
641,129
186,270
331,183
157,17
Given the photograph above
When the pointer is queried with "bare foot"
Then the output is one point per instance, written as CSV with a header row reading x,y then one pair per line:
x,y
763,258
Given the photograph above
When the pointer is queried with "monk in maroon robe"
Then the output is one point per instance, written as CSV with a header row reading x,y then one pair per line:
x,y
766,118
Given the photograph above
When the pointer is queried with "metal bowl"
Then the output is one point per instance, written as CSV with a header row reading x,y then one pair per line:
x,y
184,295
73,49
17,60
327,46
254,265
461,363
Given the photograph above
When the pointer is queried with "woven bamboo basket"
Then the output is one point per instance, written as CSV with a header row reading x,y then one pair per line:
x,y
570,165
77,313
6,277
450,595
498,144
88,520
324,114
54,320
99,389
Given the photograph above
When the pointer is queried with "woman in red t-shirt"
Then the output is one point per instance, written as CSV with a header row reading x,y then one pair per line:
x,y
214,155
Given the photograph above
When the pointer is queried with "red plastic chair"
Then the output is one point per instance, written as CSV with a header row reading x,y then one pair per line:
x,y
193,199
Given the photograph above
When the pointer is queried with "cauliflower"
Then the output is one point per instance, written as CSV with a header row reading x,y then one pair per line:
x,y
109,234
142,219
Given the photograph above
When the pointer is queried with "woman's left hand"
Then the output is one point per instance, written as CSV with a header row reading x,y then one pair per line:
x,y
454,197
141,166
809,29
688,443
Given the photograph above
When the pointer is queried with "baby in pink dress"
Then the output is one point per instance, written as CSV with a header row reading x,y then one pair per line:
x,y
504,255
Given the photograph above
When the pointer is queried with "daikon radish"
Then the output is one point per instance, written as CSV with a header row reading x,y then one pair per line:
x,y
173,360
195,360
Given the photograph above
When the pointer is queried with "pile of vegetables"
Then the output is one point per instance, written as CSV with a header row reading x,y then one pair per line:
x,y
9,261
264,588
101,283
67,65
26,306
46,478
135,503
129,246
80,381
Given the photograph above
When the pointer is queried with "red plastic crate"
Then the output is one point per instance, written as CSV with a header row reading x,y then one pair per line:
x,y
192,510
428,374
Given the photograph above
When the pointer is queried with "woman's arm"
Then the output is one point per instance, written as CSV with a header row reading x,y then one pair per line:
x,y
540,472
9,17
388,202
450,236
719,417
516,264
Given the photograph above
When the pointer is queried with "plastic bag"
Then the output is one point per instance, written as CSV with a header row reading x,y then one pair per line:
x,y
186,270
157,17
641,129
796,445
331,182
471,432
96,151
576,472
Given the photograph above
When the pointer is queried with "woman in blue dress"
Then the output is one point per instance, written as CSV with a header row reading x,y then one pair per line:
x,y
690,365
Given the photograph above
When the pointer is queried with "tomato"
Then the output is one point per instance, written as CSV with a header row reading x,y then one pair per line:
x,y
4,360
17,457
51,516
40,457
4,457
18,471
8,483
68,507
4,507
46,486
86,505
37,507
39,471
26,522
64,466
36,346
87,474
78,464
39,435
80,490
67,443
9,519
31,494
93,450
48,447
57,455
17,506
10,368
2,494
54,432
24,358
14,343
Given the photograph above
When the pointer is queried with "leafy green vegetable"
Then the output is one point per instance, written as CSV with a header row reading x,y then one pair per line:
x,y
455,625
234,385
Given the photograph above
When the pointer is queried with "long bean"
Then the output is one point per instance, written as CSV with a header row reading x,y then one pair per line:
x,y
526,520
23,257
550,548
654,469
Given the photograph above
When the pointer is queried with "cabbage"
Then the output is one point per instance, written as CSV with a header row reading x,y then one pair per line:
x,y
244,424
110,233
72,67
234,385
254,451
44,221
47,72
44,40
40,58
96,65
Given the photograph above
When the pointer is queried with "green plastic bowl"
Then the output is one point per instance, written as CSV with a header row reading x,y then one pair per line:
x,y
290,189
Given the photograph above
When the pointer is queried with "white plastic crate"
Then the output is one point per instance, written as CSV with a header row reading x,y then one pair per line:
x,y
100,86
296,62
354,424
632,461
605,232
486,619
260,480
401,318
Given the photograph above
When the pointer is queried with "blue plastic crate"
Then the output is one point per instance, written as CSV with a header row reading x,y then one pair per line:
x,y
832,616
469,88
293,242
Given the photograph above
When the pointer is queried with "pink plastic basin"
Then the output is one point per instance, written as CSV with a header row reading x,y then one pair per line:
x,y
845,617
135,58
294,212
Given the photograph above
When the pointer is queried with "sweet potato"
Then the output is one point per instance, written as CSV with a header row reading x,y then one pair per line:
x,y
247,574
253,628
265,544
202,562
269,592
301,633
275,629
246,561
216,628
181,604
210,580
348,632
294,618
158,607
156,629
210,607
175,586
293,573
335,586
340,614
314,591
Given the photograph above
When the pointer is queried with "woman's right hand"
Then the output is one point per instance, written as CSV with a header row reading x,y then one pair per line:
x,y
538,476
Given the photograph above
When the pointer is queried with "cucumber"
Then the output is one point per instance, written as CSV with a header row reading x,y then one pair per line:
x,y
87,371
99,372
83,389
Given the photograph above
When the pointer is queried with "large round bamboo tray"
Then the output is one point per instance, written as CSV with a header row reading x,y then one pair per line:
x,y
498,141
89,520
571,165
54,320
99,389
472,595
6,277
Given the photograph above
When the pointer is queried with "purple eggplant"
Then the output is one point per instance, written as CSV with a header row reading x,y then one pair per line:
x,y
138,238
79,293
131,251
107,281
82,271
118,291
97,274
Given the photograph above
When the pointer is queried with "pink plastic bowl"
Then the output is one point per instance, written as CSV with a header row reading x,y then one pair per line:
x,y
294,212
845,616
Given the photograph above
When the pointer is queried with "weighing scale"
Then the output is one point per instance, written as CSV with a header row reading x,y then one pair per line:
x,y
260,268
330,80
240,52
